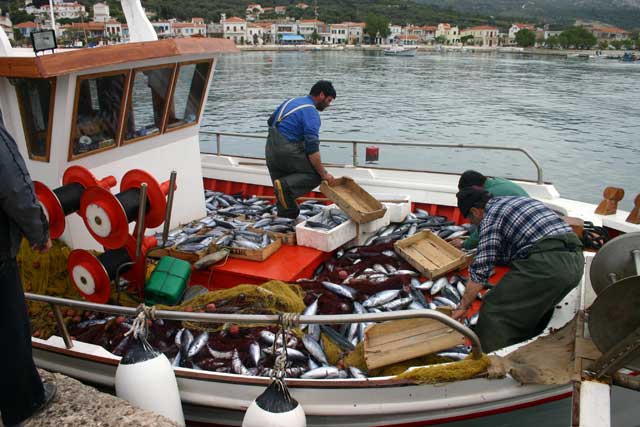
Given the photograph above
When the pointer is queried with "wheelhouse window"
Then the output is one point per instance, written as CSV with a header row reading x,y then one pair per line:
x,y
36,99
188,94
97,113
147,102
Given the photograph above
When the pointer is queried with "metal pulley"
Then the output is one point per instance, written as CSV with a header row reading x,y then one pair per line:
x,y
615,276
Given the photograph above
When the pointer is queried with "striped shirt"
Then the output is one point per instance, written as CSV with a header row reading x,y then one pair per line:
x,y
509,228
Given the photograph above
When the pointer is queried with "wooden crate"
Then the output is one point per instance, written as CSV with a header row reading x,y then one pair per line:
x,y
287,238
254,254
190,256
430,255
359,205
400,340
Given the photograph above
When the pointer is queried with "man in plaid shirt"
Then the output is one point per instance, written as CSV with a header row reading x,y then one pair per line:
x,y
546,263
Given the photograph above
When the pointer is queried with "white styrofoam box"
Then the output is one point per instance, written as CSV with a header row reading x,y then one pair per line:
x,y
372,226
325,240
397,211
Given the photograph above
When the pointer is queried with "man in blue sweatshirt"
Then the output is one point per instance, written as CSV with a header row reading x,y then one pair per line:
x,y
293,147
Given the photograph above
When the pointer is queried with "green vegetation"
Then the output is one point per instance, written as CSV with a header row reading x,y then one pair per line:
x,y
623,13
376,26
525,38
466,39
577,38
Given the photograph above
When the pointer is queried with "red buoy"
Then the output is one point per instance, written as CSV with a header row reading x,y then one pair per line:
x,y
372,153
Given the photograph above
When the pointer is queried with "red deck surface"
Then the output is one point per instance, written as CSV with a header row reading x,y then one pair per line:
x,y
289,264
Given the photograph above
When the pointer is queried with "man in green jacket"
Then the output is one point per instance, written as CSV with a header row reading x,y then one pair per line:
x,y
498,187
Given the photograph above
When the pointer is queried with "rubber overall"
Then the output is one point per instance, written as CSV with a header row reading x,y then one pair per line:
x,y
291,171
520,306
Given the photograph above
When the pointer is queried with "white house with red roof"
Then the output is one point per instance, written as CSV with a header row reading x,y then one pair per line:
x,y
513,30
280,10
25,28
234,28
60,10
609,33
196,27
101,12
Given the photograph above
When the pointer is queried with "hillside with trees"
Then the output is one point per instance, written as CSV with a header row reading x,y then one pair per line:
x,y
623,13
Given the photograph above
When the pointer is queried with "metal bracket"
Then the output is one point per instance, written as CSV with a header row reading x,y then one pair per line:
x,y
622,353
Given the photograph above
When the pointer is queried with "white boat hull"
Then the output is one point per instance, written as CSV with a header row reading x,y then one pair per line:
x,y
212,399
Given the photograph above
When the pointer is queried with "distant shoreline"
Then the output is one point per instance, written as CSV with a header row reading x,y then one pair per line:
x,y
436,49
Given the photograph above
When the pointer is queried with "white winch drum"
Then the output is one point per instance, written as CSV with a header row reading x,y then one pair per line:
x,y
98,220
150,385
83,279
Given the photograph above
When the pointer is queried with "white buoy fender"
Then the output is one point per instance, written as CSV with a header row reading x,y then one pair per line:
x,y
145,379
275,408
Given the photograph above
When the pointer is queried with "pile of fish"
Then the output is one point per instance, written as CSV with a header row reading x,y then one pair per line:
x,y
416,222
245,239
327,220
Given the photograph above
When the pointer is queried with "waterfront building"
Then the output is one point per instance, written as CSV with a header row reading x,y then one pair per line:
x,y
426,34
255,34
114,30
306,27
101,12
449,32
407,40
214,29
234,28
163,29
483,35
60,10
513,30
196,27
609,34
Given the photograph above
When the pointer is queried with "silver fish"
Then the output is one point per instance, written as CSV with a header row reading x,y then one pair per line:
x,y
267,336
186,341
314,332
198,344
397,304
314,349
254,351
341,290
438,285
237,366
446,301
461,288
311,310
380,298
319,373
474,319
220,354
176,361
356,373
425,286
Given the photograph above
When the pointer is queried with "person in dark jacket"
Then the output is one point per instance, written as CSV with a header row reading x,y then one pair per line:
x,y
293,147
545,259
498,187
22,393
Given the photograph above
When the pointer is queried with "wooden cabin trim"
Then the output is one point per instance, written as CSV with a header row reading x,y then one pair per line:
x,y
165,108
74,118
57,64
167,129
52,98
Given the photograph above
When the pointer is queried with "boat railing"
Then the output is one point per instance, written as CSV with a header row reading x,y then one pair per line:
x,y
266,319
355,143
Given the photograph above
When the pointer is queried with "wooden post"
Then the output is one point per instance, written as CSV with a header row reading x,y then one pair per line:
x,y
609,206
634,216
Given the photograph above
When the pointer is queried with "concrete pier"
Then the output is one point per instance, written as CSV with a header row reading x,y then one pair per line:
x,y
79,405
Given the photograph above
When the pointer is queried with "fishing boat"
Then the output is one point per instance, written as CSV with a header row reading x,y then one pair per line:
x,y
87,115
400,50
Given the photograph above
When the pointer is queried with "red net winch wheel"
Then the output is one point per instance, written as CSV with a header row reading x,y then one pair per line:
x,y
92,275
156,194
89,276
108,216
65,200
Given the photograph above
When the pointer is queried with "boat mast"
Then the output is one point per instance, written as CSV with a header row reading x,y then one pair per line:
x,y
53,18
